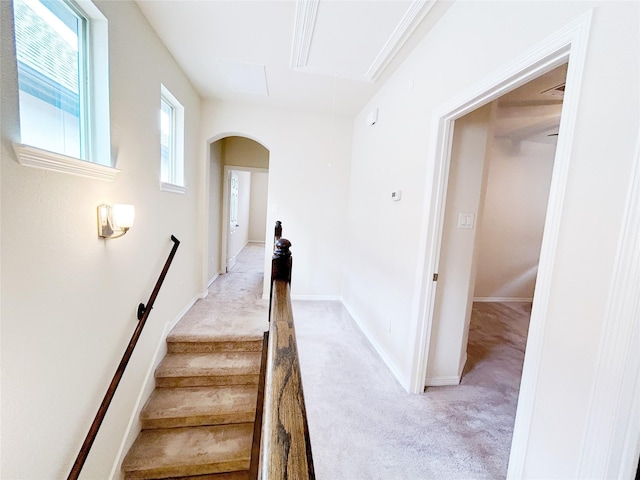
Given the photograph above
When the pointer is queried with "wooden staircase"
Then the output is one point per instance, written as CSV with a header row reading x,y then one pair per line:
x,y
198,422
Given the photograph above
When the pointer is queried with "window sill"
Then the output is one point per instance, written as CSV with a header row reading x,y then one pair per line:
x,y
171,188
43,159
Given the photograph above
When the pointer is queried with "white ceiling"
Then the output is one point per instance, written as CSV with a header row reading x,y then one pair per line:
x,y
532,111
325,56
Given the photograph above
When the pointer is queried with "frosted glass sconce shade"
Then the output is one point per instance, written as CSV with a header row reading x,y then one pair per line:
x,y
115,220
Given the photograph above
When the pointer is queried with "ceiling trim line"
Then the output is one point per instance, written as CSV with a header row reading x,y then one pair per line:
x,y
305,22
414,15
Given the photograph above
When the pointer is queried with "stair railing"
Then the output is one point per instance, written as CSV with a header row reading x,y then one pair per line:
x,y
143,314
283,438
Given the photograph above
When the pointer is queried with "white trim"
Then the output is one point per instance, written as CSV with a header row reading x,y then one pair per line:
x,y
213,279
442,381
410,20
305,22
146,389
503,299
448,380
304,27
311,298
37,158
172,188
552,52
404,381
99,119
175,173
612,438
574,38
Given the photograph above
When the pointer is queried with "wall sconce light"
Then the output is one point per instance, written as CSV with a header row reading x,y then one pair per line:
x,y
114,220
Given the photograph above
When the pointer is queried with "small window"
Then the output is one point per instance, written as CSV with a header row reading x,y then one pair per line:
x,y
62,82
171,143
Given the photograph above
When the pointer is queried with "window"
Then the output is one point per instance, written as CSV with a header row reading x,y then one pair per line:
x,y
62,59
171,143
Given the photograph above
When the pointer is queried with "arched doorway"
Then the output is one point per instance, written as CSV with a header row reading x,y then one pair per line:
x,y
237,200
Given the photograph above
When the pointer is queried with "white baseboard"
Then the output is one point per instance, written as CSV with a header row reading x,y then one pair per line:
x,y
404,382
503,299
317,297
148,385
442,381
213,279
448,380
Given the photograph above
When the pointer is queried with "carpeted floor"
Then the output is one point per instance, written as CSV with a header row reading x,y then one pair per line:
x,y
234,307
362,423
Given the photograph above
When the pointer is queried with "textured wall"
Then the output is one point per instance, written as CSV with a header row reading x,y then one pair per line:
x,y
386,240
68,297
309,159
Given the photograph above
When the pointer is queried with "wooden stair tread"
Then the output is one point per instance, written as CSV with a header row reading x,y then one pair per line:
x,y
187,406
191,451
240,475
185,344
213,368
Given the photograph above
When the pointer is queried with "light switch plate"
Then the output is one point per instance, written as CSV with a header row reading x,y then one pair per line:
x,y
466,220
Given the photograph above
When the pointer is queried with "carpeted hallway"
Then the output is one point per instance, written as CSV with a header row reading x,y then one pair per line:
x,y
362,423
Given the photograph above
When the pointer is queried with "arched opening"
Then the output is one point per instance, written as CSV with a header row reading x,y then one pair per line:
x,y
238,183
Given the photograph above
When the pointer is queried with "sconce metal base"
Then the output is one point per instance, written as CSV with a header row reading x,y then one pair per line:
x,y
141,310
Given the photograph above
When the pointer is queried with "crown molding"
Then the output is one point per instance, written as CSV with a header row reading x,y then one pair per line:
x,y
411,19
305,22
306,14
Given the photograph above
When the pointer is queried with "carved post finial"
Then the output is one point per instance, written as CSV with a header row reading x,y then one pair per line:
x,y
281,261
278,231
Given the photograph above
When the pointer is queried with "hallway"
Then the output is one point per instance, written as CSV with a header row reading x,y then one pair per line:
x,y
234,306
362,423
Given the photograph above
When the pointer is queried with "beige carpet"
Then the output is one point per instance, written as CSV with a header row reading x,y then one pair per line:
x,y
362,424
234,307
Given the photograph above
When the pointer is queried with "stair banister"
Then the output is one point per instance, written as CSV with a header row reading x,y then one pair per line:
x,y
286,446
143,314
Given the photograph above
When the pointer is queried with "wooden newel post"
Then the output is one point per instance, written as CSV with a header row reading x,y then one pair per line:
x,y
281,261
277,231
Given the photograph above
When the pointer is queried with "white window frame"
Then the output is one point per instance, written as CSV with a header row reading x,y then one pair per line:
x,y
98,162
172,180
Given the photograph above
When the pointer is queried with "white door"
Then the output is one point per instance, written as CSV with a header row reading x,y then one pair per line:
x,y
233,220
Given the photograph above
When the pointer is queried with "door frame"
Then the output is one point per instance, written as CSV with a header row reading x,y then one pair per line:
x,y
226,187
570,43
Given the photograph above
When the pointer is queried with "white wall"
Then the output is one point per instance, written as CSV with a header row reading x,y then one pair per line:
x,y
309,159
514,211
385,254
69,298
258,212
215,209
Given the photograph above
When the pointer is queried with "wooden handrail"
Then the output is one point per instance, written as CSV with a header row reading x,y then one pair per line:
x,y
286,446
277,235
143,314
